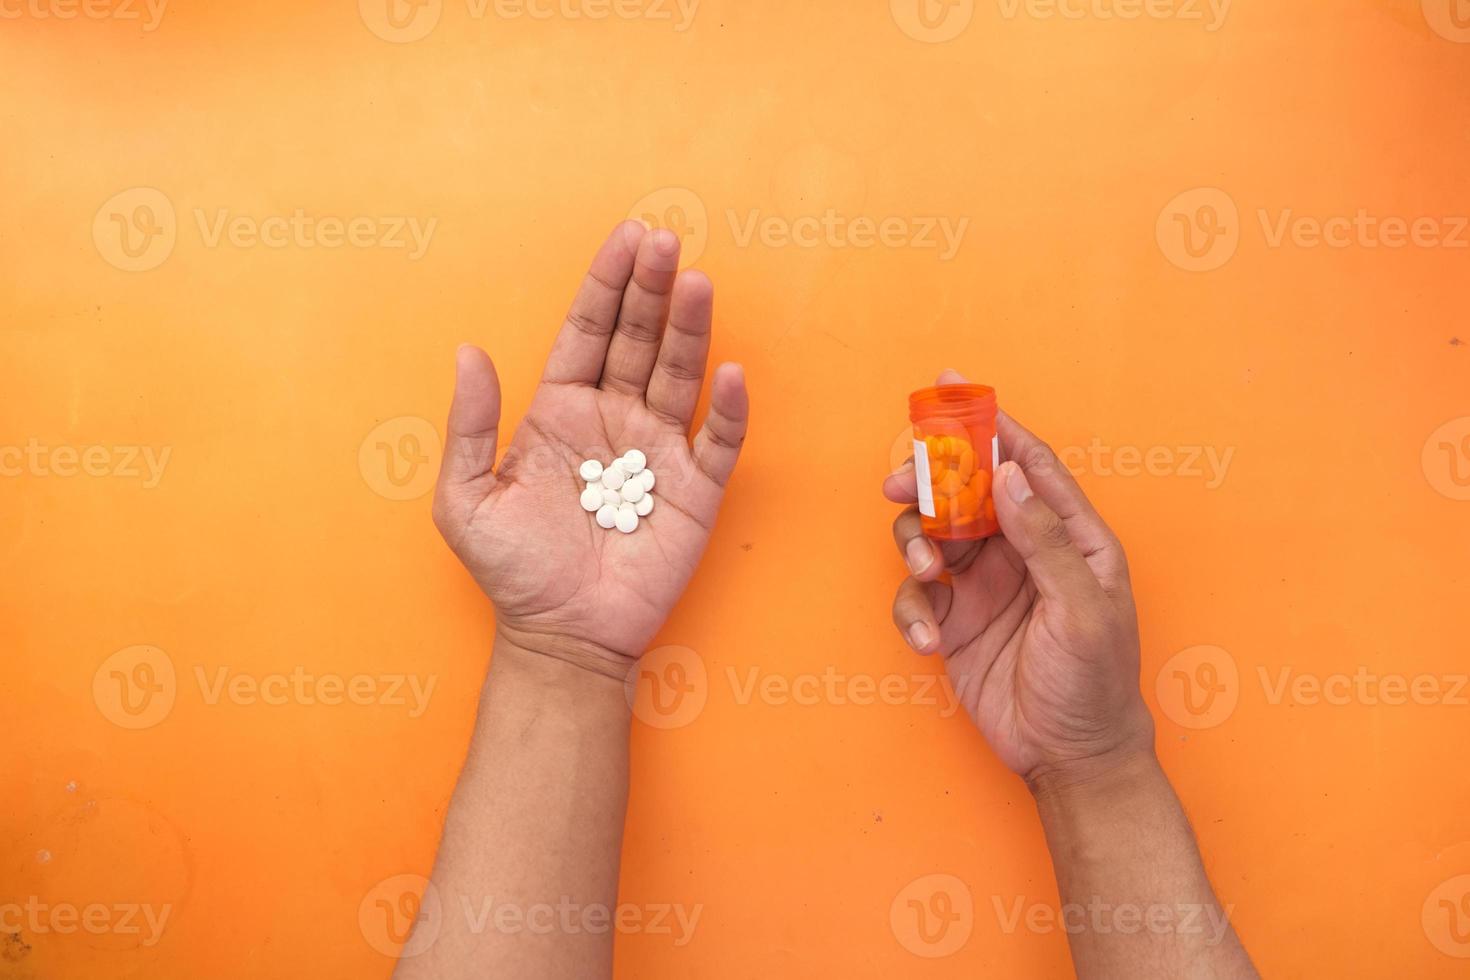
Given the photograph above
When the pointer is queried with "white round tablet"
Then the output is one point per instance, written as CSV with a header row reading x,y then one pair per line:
x,y
634,461
609,496
633,491
607,516
592,499
613,477
647,477
644,506
627,519
591,470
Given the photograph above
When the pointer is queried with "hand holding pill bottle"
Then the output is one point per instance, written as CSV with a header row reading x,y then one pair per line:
x,y
1040,614
955,455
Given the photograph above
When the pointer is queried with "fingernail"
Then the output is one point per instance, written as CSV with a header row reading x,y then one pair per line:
x,y
920,555
919,636
1016,484
665,241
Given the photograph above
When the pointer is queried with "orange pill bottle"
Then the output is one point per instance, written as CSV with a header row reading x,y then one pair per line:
x,y
955,455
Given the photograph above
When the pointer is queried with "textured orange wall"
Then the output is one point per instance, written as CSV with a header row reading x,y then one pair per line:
x,y
1279,430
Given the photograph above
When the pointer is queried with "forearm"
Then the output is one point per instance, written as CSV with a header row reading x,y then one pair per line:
x,y
1135,898
527,872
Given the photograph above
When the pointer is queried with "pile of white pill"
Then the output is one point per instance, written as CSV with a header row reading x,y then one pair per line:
x,y
619,493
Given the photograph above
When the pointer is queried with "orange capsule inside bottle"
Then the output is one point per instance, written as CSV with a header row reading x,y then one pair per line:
x,y
955,454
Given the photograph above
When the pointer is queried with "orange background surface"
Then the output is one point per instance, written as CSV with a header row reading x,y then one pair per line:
x,y
1333,379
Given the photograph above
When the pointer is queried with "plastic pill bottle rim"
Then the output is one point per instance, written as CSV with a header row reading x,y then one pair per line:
x,y
958,402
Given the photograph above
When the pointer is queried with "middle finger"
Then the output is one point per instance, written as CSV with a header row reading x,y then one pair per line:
x,y
634,346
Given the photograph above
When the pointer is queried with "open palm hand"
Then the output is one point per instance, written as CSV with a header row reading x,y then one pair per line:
x,y
625,373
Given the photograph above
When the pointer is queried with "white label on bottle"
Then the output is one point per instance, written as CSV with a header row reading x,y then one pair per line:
x,y
921,476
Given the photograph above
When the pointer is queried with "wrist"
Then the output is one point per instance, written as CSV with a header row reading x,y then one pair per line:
x,y
595,659
1118,773
557,680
